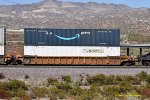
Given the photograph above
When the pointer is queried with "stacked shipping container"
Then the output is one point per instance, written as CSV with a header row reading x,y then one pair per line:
x,y
71,42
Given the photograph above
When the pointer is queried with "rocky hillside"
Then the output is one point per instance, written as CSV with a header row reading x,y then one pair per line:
x,y
59,14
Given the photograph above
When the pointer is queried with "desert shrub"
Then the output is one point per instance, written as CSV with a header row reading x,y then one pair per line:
x,y
142,76
61,95
95,87
16,87
100,79
111,90
118,79
125,87
39,92
13,85
112,80
88,95
79,83
109,80
55,92
53,97
64,86
137,89
126,78
76,91
18,93
148,86
135,81
148,79
52,81
67,78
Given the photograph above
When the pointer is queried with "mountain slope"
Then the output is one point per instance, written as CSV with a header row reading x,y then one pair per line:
x,y
59,14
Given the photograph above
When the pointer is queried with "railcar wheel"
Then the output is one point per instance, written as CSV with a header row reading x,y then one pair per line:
x,y
19,62
8,62
127,64
145,63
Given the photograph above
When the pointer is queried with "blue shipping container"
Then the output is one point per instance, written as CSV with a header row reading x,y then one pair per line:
x,y
71,37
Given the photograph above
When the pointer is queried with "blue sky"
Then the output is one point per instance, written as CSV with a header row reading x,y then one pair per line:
x,y
132,3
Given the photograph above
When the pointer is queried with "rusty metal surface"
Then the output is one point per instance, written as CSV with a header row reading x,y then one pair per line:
x,y
76,60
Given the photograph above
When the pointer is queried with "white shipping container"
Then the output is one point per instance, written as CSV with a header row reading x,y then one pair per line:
x,y
2,41
71,51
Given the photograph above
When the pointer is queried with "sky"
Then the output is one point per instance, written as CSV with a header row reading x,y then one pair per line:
x,y
131,3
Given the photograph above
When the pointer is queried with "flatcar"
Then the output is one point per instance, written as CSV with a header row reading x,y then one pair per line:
x,y
68,47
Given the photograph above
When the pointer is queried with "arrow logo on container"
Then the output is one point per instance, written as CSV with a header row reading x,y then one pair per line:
x,y
67,39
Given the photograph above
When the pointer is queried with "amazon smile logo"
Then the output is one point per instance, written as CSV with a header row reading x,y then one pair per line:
x,y
77,36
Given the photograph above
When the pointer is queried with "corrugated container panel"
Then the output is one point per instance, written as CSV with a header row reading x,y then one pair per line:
x,y
2,36
113,37
1,50
30,36
71,51
2,32
72,37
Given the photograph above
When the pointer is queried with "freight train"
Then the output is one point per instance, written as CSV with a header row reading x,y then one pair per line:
x,y
67,47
